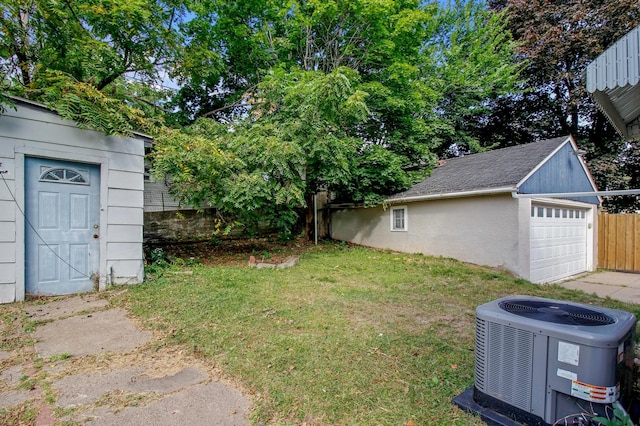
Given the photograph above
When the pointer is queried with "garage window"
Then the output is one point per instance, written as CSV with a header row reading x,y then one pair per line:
x,y
399,218
63,175
549,212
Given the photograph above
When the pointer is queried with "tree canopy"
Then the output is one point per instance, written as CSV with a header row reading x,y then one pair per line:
x,y
277,99
558,40
74,55
356,97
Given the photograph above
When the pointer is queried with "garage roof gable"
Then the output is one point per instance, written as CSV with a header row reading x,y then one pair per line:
x,y
528,167
562,172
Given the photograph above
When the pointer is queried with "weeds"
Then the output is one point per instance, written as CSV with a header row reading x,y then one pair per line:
x,y
60,357
158,257
619,418
262,253
23,414
160,262
28,382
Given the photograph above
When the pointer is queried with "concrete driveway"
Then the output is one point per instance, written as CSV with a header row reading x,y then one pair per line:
x,y
616,285
86,362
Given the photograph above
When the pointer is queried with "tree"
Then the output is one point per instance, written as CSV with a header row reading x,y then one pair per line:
x,y
354,96
558,40
74,55
476,74
262,169
347,96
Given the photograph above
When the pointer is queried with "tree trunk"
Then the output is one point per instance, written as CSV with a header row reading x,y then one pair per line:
x,y
309,229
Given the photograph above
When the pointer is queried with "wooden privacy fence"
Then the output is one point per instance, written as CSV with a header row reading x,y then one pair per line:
x,y
619,242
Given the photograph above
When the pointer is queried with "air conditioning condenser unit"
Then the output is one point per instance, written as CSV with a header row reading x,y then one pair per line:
x,y
546,362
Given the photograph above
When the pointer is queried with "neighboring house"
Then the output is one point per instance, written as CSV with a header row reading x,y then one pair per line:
x,y
613,80
483,209
71,205
165,220
157,197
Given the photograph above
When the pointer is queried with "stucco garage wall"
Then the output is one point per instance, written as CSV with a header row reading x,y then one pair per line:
x,y
483,229
33,131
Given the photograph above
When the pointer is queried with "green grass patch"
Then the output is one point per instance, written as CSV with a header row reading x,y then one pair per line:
x,y
59,357
348,336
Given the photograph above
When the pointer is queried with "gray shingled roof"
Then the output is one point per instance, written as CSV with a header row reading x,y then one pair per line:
x,y
492,169
157,198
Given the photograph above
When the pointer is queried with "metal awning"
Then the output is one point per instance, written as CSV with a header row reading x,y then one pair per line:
x,y
613,79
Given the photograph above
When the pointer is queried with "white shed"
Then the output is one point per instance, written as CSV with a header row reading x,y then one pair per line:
x,y
71,205
491,208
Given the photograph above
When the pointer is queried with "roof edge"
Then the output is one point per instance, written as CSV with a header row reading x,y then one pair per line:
x,y
599,194
571,140
18,99
28,102
606,107
540,164
461,194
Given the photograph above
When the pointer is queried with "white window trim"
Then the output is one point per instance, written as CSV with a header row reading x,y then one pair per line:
x,y
406,219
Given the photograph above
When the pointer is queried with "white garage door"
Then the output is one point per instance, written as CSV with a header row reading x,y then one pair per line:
x,y
558,242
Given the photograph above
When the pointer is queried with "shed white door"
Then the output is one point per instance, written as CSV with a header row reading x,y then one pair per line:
x,y
558,242
61,232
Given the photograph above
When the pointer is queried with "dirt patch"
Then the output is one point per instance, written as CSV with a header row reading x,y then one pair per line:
x,y
65,307
230,252
411,316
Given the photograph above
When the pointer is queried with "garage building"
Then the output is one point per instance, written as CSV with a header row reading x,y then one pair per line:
x,y
492,208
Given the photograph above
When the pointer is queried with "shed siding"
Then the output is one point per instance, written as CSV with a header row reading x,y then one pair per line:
x,y
7,291
125,180
7,211
124,233
125,216
125,198
7,252
7,273
482,230
561,173
7,232
34,131
125,271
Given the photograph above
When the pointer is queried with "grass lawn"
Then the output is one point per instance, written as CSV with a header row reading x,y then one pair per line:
x,y
348,336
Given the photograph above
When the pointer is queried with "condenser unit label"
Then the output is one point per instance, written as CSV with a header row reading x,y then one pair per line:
x,y
621,352
600,394
568,353
567,374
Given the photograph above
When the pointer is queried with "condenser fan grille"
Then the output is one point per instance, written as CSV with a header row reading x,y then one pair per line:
x,y
559,313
